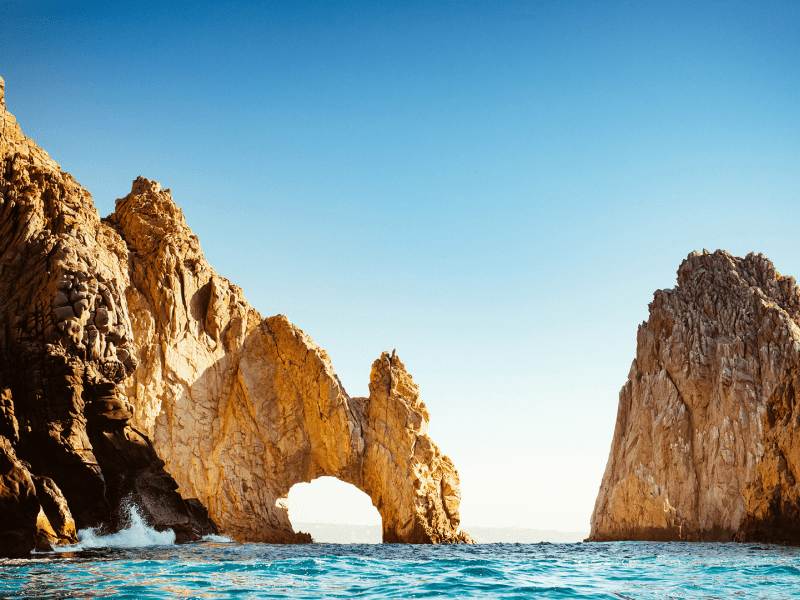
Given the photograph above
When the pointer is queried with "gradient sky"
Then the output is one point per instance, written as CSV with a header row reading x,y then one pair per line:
x,y
495,189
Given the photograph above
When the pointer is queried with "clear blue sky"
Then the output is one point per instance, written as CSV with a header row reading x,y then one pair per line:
x,y
495,189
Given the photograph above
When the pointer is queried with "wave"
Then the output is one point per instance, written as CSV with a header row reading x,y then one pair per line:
x,y
137,535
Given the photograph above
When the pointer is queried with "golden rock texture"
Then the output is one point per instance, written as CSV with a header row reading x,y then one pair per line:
x,y
134,370
242,407
695,452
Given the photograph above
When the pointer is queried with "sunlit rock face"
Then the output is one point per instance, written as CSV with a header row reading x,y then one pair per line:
x,y
242,407
703,447
131,372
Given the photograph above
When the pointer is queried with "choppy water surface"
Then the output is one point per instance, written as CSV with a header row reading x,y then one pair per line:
x,y
218,569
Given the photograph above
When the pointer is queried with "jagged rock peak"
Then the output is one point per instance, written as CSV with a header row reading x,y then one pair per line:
x,y
689,436
134,370
150,221
721,273
65,349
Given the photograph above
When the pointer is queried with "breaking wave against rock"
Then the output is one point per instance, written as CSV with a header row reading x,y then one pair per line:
x,y
217,539
137,535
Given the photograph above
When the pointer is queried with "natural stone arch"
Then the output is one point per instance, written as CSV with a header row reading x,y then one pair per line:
x,y
116,330
390,457
378,444
242,408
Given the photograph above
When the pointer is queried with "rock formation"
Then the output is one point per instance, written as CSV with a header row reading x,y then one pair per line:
x,y
132,370
242,407
703,448
65,340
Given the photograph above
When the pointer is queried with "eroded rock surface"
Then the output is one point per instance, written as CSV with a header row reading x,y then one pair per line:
x,y
137,374
773,497
703,444
65,349
242,407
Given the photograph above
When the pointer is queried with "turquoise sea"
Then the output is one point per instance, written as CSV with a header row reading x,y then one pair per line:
x,y
140,563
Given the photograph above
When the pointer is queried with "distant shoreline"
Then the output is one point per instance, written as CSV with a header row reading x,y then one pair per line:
x,y
342,533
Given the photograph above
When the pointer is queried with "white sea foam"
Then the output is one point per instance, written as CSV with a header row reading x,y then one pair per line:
x,y
137,535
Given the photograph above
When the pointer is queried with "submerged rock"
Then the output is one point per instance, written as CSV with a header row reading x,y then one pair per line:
x,y
136,374
703,448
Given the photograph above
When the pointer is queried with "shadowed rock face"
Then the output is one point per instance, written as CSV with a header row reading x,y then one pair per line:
x,y
19,507
773,497
703,448
65,349
132,370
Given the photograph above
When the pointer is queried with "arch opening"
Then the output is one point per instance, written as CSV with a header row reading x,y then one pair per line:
x,y
334,512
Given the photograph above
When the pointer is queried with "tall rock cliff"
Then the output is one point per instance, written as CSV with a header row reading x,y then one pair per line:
x,y
65,350
704,446
242,407
129,370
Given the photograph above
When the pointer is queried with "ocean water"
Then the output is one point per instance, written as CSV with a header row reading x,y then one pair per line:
x,y
140,563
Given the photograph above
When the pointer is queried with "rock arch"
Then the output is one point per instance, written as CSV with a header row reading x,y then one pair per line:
x,y
157,357
242,408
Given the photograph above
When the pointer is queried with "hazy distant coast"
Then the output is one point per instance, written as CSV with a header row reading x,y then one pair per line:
x,y
338,533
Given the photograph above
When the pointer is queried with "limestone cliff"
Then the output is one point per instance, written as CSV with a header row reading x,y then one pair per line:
x,y
243,407
65,348
131,370
706,421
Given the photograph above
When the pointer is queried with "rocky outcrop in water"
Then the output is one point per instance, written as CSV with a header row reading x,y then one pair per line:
x,y
133,371
242,407
704,443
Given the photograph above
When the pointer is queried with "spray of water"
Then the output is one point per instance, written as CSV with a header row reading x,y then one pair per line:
x,y
136,535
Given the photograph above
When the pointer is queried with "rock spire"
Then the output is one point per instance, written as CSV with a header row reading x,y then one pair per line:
x,y
704,447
